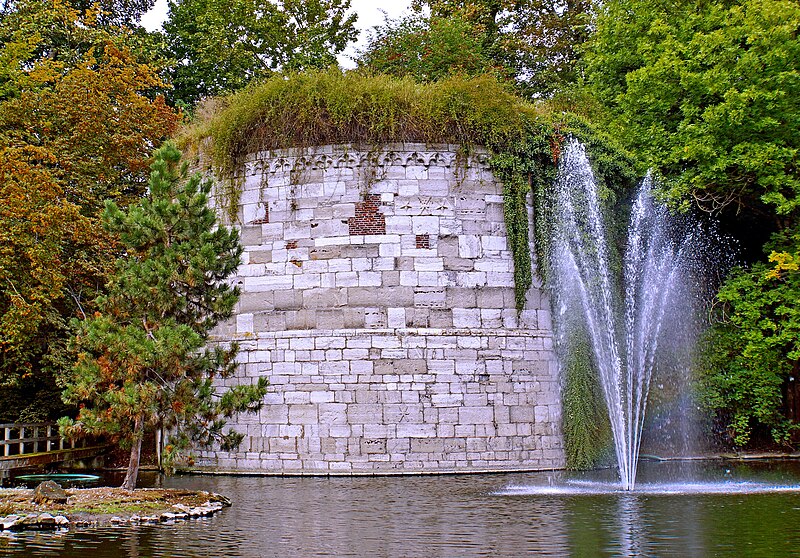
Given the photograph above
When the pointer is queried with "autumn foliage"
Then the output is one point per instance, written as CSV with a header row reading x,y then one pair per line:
x,y
78,121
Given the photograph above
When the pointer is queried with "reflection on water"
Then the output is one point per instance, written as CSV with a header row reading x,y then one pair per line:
x,y
480,515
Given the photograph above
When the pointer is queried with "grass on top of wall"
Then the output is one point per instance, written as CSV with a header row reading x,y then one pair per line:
x,y
332,107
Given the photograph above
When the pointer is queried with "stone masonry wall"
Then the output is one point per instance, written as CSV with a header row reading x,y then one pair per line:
x,y
378,298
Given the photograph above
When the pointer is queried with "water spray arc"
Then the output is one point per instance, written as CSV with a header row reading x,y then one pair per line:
x,y
624,322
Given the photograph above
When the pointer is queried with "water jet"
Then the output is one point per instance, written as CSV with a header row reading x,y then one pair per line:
x,y
622,318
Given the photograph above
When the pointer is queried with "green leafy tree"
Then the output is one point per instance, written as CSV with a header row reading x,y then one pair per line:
x,y
220,46
427,49
709,93
142,358
109,12
537,42
752,358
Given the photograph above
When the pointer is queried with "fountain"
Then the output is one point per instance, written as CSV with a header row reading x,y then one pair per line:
x,y
623,330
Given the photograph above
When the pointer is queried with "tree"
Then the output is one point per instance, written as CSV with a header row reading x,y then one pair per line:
x,y
709,94
109,12
538,42
142,359
751,365
78,124
427,49
221,46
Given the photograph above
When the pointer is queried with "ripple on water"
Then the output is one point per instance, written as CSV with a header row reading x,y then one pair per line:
x,y
583,487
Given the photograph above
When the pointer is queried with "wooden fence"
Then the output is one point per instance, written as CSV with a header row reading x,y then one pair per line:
x,y
24,439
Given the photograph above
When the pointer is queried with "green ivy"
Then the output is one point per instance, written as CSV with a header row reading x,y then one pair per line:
x,y
587,431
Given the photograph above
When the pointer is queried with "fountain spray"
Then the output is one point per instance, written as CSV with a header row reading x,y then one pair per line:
x,y
623,322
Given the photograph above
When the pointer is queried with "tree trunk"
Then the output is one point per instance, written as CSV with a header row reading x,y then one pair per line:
x,y
136,451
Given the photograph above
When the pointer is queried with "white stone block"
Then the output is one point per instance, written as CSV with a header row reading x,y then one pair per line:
x,y
340,264
307,281
322,397
408,279
369,279
466,317
491,317
272,232
361,264
494,265
344,210
328,280
416,173
361,367
428,264
333,413
244,323
447,399
324,342
451,227
425,225
384,264
541,413
346,279
267,283
430,279
381,239
332,241
494,243
297,397
475,415
332,189
396,317
301,343
390,250
471,279
408,188
500,279
416,430
469,246
398,224
544,320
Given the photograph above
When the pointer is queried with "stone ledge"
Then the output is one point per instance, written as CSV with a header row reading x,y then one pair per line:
x,y
402,332
214,471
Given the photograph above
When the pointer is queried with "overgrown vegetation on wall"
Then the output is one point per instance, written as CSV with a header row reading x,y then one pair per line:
x,y
524,139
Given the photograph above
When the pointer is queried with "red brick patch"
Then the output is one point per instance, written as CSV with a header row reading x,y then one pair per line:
x,y
423,241
368,220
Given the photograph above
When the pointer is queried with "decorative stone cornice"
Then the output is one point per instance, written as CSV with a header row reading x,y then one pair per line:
x,y
346,156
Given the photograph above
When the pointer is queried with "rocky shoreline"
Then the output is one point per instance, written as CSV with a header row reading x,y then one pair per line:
x,y
92,507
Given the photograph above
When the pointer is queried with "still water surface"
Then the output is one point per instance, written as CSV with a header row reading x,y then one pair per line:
x,y
474,515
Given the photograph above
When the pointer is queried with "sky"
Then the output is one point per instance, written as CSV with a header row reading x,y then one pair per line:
x,y
370,13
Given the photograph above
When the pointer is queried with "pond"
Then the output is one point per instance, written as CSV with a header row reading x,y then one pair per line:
x,y
546,514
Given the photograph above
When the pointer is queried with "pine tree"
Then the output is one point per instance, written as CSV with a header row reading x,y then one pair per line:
x,y
142,360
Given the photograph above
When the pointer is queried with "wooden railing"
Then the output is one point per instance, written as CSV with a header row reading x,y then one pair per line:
x,y
25,439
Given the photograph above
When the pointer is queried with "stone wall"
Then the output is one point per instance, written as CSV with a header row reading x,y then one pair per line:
x,y
378,298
